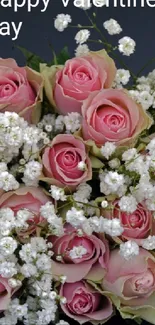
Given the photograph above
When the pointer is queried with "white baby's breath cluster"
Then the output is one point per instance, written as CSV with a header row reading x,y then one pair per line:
x,y
82,36
111,182
112,27
129,250
17,136
61,22
55,223
108,149
144,93
7,180
122,78
53,125
41,303
126,45
82,50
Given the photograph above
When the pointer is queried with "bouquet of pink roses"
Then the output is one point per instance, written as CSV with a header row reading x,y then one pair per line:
x,y
77,187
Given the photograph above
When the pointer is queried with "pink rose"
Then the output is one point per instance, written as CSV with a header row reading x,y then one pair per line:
x,y
111,115
138,225
60,162
30,198
5,294
92,262
20,90
84,303
66,87
133,283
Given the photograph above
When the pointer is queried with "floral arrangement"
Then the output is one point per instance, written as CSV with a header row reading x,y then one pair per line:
x,y
77,185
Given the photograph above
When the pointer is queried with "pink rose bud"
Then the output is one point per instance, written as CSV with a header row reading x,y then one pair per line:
x,y
132,283
66,87
81,256
84,304
61,162
112,116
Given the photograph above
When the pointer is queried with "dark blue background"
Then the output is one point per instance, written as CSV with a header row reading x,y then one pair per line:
x,y
38,31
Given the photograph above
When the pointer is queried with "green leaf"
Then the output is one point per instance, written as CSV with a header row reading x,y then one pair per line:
x,y
32,60
62,57
96,163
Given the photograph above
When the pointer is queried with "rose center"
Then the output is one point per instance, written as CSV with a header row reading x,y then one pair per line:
x,y
134,220
144,283
6,90
82,303
108,117
113,121
81,76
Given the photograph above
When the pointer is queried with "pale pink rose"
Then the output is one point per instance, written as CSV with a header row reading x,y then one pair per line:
x,y
30,198
66,87
91,265
85,303
5,294
137,225
111,115
60,162
20,90
132,281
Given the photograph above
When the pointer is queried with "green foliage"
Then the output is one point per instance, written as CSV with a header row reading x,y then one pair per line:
x,y
33,60
62,57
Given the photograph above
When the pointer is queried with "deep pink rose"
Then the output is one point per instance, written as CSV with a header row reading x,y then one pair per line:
x,y
66,87
60,161
5,294
133,281
111,115
84,303
30,198
20,90
137,225
91,265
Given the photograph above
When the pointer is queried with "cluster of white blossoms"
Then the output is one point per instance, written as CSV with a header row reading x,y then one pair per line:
x,y
40,304
53,125
111,182
144,93
112,27
55,223
122,78
17,136
7,180
61,22
108,149
126,45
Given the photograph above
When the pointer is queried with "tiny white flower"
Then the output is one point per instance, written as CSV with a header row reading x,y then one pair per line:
x,y
61,22
108,149
129,249
112,27
82,50
126,45
77,252
104,204
82,36
82,166
148,243
122,76
128,203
